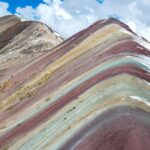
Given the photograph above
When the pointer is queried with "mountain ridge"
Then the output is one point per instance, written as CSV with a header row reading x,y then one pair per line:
x,y
23,41
89,92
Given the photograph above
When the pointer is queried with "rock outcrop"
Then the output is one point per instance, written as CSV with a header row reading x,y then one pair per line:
x,y
91,92
22,42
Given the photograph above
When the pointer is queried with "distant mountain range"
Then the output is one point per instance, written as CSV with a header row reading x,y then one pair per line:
x,y
89,92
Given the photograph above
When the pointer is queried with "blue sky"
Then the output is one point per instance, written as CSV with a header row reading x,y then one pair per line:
x,y
70,16
13,4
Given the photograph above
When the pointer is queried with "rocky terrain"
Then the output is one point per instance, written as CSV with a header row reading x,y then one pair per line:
x,y
23,42
91,92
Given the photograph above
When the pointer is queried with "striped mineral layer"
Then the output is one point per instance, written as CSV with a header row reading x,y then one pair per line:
x,y
91,92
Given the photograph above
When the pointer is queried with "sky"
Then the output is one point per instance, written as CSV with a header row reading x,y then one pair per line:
x,y
70,16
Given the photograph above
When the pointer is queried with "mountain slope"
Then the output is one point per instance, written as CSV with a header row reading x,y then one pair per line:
x,y
22,42
90,92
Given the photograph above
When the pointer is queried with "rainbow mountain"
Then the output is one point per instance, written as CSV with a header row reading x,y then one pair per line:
x,y
89,92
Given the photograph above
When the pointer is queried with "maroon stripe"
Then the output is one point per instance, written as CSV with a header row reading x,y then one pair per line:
x,y
76,69
59,51
45,114
17,80
114,130
62,49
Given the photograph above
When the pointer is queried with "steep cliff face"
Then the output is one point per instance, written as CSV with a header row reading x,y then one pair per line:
x,y
22,42
91,92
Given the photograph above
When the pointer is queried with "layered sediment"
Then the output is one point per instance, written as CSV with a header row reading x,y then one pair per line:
x,y
91,92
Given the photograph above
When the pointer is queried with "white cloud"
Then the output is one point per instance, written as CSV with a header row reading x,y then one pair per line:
x,y
135,13
66,17
47,1
71,16
4,9
28,13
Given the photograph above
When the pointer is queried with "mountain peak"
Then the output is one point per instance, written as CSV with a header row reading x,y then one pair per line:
x,y
92,91
23,41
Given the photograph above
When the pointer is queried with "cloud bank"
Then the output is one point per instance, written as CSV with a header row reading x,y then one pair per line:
x,y
70,16
66,17
4,9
